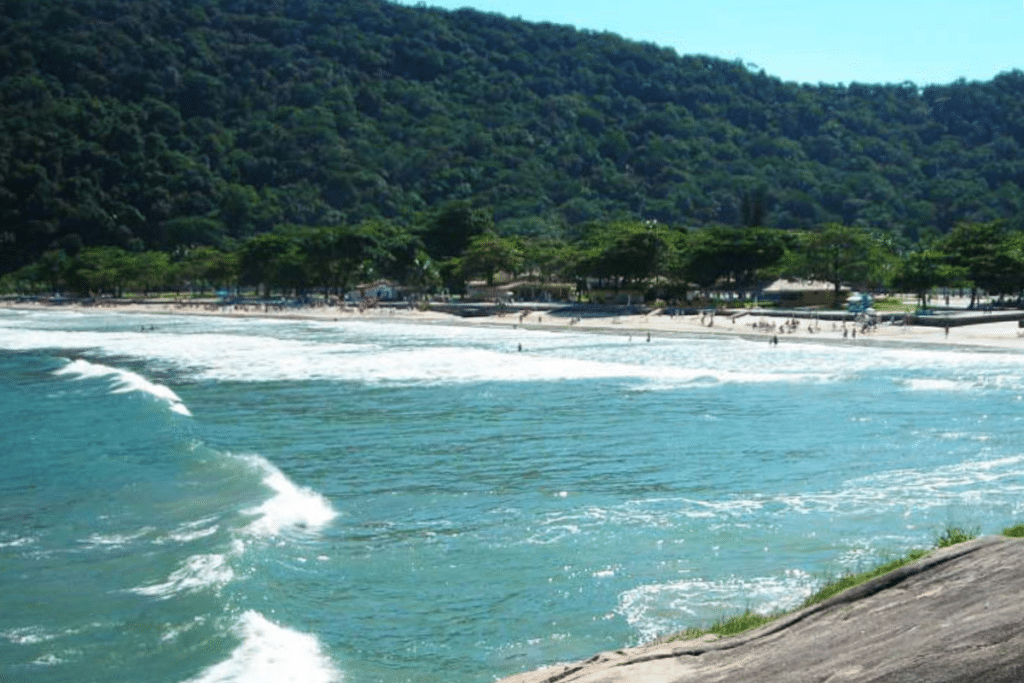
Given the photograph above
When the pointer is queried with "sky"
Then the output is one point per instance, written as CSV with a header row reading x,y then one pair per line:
x,y
807,41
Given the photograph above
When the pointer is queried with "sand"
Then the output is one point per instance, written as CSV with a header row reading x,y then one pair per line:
x,y
1006,335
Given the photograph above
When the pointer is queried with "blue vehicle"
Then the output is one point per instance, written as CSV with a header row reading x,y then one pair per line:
x,y
859,302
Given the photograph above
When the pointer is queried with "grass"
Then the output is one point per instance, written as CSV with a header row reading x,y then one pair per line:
x,y
749,619
728,626
954,534
1014,531
837,585
892,304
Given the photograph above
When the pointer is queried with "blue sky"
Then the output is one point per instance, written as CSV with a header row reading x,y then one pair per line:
x,y
808,41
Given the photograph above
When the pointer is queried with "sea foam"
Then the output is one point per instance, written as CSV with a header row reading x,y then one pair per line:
x,y
197,573
270,653
654,610
125,381
291,507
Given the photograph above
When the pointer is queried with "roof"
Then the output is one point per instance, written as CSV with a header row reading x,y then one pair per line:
x,y
784,286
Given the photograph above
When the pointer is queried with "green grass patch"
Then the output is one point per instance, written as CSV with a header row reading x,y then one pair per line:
x,y
730,626
892,304
839,584
955,534
1014,531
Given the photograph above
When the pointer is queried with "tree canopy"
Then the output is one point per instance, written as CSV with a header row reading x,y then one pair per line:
x,y
171,125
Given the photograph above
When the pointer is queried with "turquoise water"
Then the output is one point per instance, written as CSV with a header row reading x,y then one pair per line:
x,y
217,500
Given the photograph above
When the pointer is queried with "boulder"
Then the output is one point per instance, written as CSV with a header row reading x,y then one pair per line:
x,y
955,615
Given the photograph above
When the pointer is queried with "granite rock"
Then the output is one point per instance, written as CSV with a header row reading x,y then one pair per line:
x,y
956,615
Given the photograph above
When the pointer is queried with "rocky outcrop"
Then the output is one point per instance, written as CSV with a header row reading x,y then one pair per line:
x,y
956,615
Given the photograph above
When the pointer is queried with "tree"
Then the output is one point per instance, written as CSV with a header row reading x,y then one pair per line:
x,y
206,266
270,260
98,270
736,255
981,250
839,254
148,270
488,253
625,251
449,231
922,270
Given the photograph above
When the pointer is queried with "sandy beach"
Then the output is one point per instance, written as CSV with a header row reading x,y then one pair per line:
x,y
751,324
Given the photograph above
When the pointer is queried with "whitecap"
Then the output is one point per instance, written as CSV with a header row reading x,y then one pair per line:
x,y
197,573
18,542
114,541
190,531
291,507
939,385
173,633
125,381
48,659
29,635
270,653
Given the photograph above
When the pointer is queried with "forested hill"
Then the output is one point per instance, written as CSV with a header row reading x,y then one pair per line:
x,y
146,124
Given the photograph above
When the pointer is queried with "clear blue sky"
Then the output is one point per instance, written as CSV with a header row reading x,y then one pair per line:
x,y
808,41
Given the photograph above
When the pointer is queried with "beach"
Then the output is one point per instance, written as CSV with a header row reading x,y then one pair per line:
x,y
753,324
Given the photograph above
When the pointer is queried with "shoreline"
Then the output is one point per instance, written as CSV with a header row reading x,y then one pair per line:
x,y
748,324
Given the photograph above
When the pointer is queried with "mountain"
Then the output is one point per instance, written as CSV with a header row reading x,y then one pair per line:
x,y
147,124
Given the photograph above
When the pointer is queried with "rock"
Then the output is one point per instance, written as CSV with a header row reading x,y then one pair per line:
x,y
956,615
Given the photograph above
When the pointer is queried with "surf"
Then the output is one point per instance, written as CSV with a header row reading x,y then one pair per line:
x,y
124,382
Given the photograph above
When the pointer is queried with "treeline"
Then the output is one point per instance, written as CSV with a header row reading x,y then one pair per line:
x,y
459,244
169,125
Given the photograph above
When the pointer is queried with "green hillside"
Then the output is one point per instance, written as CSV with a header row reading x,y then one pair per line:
x,y
147,125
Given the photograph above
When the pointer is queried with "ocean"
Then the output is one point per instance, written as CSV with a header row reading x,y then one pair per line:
x,y
189,499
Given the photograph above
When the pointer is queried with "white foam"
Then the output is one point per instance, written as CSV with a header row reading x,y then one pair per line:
x,y
174,633
191,531
114,541
270,653
125,381
939,385
294,351
29,635
658,609
199,572
390,352
48,659
292,507
18,542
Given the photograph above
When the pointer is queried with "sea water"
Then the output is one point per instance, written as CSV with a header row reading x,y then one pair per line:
x,y
215,500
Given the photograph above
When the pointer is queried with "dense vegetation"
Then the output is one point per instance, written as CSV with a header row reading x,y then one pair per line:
x,y
396,138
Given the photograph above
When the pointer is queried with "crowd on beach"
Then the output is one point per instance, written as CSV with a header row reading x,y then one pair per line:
x,y
792,326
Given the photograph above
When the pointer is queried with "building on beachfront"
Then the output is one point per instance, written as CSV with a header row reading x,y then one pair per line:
x,y
803,293
380,290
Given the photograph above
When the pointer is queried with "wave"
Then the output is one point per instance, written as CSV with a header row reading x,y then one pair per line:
x,y
994,482
966,384
198,572
125,381
395,353
292,507
116,541
191,531
270,653
28,635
